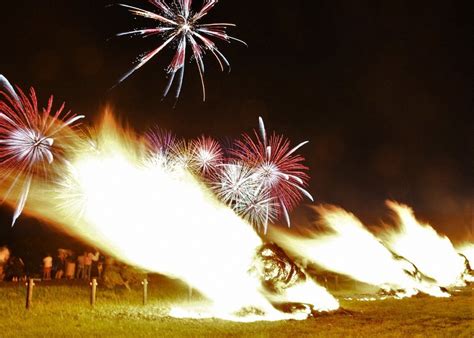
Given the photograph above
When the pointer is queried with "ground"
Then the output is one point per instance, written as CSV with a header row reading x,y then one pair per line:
x,y
63,309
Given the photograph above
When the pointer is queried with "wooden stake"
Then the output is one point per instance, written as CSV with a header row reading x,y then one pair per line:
x,y
145,291
93,285
29,292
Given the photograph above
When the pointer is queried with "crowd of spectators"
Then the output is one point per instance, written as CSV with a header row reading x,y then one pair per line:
x,y
64,265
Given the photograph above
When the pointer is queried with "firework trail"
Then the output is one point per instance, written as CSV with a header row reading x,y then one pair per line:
x,y
179,26
27,139
279,170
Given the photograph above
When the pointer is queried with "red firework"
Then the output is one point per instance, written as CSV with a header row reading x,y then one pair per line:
x,y
27,138
180,27
278,168
160,141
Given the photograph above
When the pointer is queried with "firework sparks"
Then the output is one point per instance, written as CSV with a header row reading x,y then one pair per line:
x,y
258,209
234,182
207,155
181,155
278,168
238,186
160,143
178,24
261,180
27,139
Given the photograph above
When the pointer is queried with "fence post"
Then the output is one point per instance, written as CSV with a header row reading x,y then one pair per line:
x,y
145,291
93,285
29,292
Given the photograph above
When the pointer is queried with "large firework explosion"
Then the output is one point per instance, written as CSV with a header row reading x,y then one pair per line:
x,y
260,180
279,169
179,26
28,139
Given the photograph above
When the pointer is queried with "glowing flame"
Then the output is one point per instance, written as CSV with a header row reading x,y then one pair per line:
x,y
348,248
4,255
162,219
467,250
154,214
432,253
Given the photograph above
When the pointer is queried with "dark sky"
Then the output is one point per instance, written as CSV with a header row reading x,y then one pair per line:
x,y
381,89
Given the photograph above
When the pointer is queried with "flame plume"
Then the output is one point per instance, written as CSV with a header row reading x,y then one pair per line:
x,y
435,255
162,219
348,248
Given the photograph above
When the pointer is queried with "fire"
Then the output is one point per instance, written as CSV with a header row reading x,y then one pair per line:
x,y
156,215
4,255
467,250
162,219
348,248
432,253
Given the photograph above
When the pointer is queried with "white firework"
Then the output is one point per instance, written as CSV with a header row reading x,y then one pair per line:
x,y
240,187
207,155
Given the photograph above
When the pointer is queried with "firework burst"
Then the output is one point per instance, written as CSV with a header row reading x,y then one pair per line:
x,y
279,170
259,209
178,25
207,155
181,155
27,139
238,186
261,181
234,182
160,144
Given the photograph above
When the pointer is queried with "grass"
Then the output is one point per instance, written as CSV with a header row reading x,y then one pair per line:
x,y
62,309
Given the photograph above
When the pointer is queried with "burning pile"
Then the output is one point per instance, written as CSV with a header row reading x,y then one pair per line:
x,y
403,262
183,209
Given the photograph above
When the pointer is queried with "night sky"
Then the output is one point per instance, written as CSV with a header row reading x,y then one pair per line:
x,y
381,89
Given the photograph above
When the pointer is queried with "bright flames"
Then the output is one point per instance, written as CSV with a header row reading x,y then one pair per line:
x,y
433,254
348,248
159,217
163,220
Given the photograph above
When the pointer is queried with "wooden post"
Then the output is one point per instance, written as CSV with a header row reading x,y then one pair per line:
x,y
93,285
29,292
145,291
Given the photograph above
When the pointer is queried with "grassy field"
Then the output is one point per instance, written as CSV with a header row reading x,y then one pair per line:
x,y
62,309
